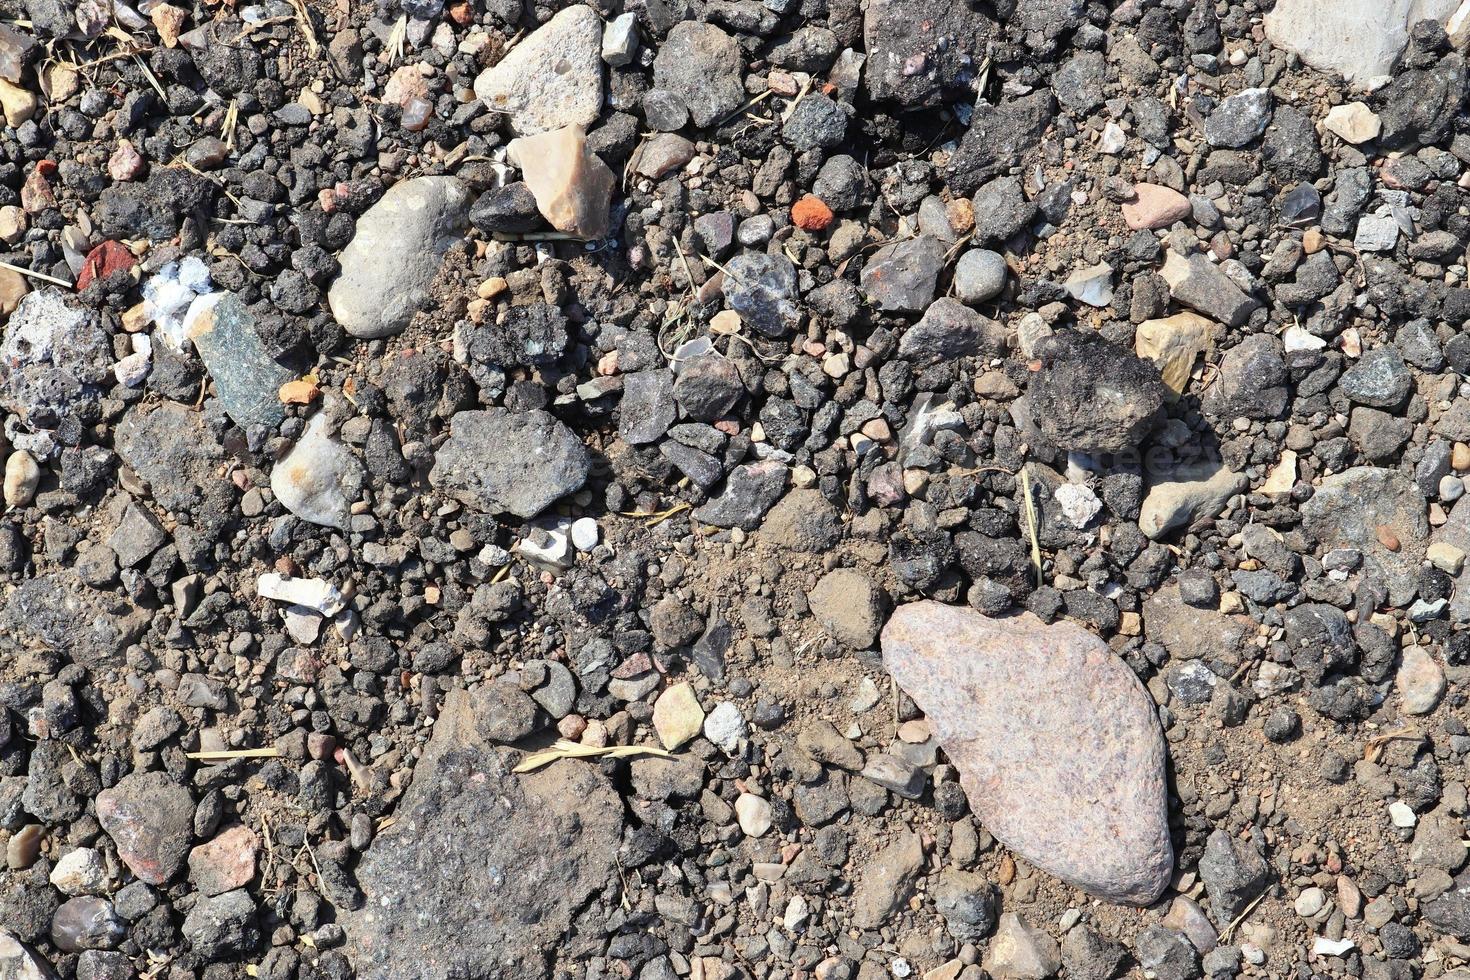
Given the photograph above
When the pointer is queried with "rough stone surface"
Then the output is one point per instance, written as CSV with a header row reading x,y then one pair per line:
x,y
1357,39
552,78
319,478
483,871
1010,699
151,820
1360,508
1092,396
246,377
510,462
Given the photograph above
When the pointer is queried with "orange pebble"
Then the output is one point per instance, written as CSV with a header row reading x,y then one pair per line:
x,y
811,213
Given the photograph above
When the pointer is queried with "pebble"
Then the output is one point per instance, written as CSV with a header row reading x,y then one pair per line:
x,y
22,476
553,77
319,478
1420,681
80,872
585,533
572,186
1401,814
677,716
979,276
1020,951
392,260
1117,846
1239,119
1353,122
1155,206
1357,39
725,727
498,461
246,377
754,814
150,819
1310,901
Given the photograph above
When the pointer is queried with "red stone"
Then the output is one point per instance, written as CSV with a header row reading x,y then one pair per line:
x,y
103,261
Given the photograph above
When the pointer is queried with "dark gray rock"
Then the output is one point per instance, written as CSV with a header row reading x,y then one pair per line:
x,y
1380,379
1253,381
498,461
997,139
1167,955
1239,119
762,288
647,409
1234,873
967,903
923,52
901,277
223,926
949,329
750,491
483,871
1092,396
246,377
708,387
151,820
704,67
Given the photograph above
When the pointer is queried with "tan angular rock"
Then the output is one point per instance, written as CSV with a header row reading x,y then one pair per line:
x,y
1187,494
13,288
169,21
19,104
1155,206
1173,343
677,716
1282,476
1353,122
1055,739
572,186
552,78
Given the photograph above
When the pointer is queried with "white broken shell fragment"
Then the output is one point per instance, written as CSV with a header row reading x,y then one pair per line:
x,y
313,593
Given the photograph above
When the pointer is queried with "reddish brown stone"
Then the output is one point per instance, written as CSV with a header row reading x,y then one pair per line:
x,y
811,213
103,261
1055,739
225,863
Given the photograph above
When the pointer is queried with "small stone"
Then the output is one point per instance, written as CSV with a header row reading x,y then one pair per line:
x,y
901,277
1239,119
725,727
950,330
886,880
1019,951
19,962
1356,508
620,40
662,154
1358,39
137,536
169,21
677,716
225,863
750,491
979,276
1199,284
1103,827
1078,503
1420,682
585,533
849,607
1092,396
319,478
1376,233
1401,815
1092,285
392,260
1234,873
80,872
1186,494
754,814
499,461
1310,902
1353,122
1155,206
572,186
1173,343
811,213
702,66
151,820
552,78
246,377
87,922
19,104
761,287
1446,557
22,476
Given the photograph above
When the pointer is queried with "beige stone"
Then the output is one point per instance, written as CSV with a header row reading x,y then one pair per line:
x,y
677,716
19,104
169,21
13,287
1445,557
62,83
572,186
22,475
1282,476
13,224
1173,343
1353,122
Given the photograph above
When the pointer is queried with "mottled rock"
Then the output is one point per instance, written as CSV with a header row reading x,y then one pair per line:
x,y
702,66
886,882
552,78
393,258
762,288
246,377
572,186
499,461
151,820
1092,396
1358,39
319,478
1365,506
1055,739
1188,493
483,870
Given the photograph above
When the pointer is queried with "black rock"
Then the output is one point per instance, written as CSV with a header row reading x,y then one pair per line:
x,y
511,209
1234,873
923,52
1092,396
750,491
997,138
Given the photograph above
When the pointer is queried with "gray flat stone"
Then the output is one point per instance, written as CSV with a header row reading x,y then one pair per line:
x,y
246,378
391,261
499,461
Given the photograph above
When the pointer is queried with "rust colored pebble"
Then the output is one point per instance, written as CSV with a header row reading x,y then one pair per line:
x,y
811,213
1387,538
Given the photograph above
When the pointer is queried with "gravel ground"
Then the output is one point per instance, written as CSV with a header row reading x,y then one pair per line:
x,y
734,489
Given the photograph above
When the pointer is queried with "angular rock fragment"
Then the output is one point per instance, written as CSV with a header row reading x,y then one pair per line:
x,y
552,78
1056,741
319,478
499,461
483,871
393,258
246,377
1186,494
1358,39
921,52
572,186
151,820
1092,396
1379,512
1199,284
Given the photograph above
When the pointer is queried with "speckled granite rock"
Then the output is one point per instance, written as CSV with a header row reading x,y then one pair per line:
x,y
1055,739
